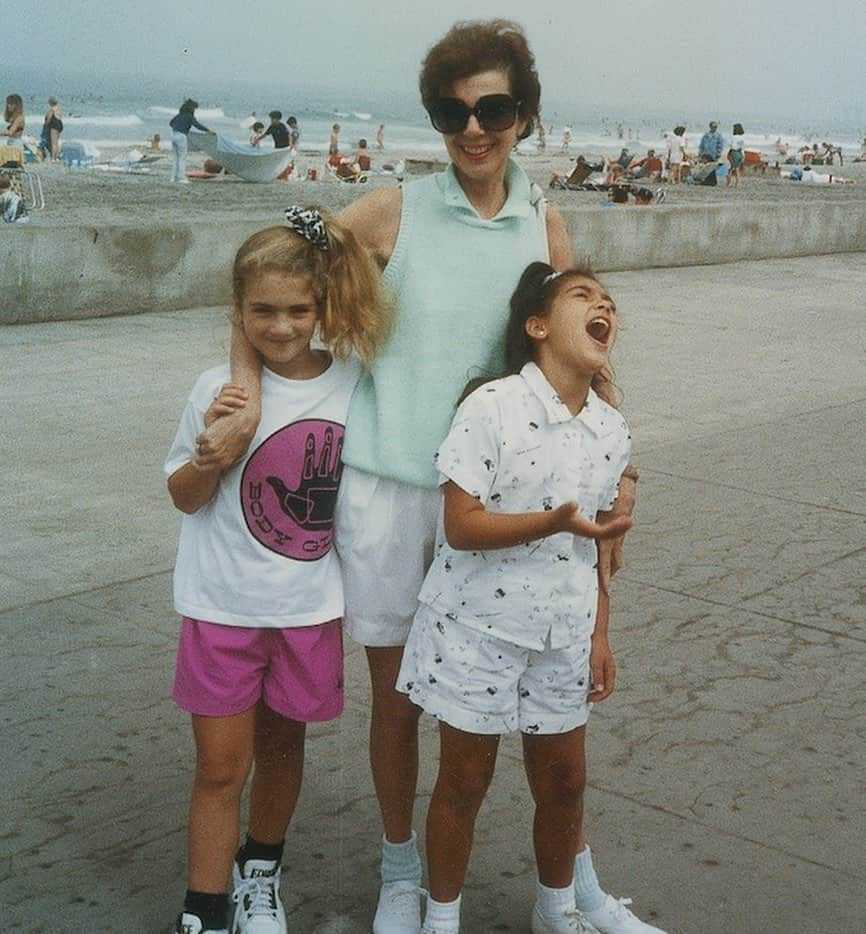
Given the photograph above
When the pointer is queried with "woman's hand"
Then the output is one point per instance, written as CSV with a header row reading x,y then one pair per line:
x,y
232,397
610,558
225,441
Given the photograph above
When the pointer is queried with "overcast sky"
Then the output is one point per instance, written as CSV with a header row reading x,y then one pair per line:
x,y
785,57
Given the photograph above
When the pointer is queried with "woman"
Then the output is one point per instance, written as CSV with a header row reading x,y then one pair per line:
x,y
52,127
14,117
452,247
676,155
180,124
736,155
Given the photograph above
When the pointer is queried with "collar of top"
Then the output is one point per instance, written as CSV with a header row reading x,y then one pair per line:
x,y
520,201
592,414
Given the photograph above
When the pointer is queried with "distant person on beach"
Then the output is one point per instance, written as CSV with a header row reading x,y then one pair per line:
x,y
566,139
53,123
380,136
294,135
613,174
334,145
509,636
542,137
362,156
256,131
676,155
12,208
862,156
645,167
736,155
277,130
14,117
257,580
487,222
712,144
181,123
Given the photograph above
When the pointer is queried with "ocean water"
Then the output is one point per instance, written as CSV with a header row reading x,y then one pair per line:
x,y
124,113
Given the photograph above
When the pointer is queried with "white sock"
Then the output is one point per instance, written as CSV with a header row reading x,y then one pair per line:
x,y
588,893
554,903
444,916
400,861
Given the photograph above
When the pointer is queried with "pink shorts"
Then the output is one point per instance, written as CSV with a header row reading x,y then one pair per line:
x,y
224,670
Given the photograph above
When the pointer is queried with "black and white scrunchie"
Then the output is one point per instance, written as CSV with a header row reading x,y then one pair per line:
x,y
309,224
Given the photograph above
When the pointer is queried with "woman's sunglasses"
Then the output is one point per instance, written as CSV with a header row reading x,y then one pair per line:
x,y
493,112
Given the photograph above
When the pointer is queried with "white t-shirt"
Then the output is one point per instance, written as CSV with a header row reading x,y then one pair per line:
x,y
516,447
676,146
260,553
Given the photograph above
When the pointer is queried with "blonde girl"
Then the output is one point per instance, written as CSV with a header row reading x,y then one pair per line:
x,y
257,581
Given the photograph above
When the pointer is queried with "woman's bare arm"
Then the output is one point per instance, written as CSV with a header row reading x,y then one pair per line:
x,y
226,440
375,220
558,239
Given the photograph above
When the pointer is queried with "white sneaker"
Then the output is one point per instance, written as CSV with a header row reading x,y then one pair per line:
x,y
257,898
399,909
571,922
614,918
191,924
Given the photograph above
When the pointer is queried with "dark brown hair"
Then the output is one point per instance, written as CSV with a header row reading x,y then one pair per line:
x,y
470,47
535,294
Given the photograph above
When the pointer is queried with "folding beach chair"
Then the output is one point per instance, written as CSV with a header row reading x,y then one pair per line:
x,y
26,184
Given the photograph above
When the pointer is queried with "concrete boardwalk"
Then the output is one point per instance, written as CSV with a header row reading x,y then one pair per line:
x,y
726,772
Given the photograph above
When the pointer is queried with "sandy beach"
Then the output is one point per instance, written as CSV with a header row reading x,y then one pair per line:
x,y
95,196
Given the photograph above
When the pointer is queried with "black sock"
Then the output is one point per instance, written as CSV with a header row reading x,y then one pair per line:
x,y
252,849
212,909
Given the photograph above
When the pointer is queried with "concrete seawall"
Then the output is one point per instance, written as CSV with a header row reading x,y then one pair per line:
x,y
58,273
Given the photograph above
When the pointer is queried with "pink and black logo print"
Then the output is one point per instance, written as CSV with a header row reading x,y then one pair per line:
x,y
289,489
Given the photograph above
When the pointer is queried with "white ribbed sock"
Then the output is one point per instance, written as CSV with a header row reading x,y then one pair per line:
x,y
588,894
400,861
442,917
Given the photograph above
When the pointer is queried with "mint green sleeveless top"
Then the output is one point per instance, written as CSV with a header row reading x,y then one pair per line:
x,y
452,274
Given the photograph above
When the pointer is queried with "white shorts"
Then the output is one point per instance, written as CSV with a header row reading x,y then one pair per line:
x,y
384,534
480,684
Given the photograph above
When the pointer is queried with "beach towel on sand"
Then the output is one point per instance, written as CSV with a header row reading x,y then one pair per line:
x,y
252,165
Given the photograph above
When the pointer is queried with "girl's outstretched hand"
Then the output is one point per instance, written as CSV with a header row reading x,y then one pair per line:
x,y
231,398
602,669
568,519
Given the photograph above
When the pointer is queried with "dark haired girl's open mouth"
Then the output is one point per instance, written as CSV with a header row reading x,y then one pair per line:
x,y
599,329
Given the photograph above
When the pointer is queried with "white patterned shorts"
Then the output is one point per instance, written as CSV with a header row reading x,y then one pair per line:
x,y
479,684
384,534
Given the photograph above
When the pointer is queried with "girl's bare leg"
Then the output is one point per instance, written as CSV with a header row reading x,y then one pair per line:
x,y
466,765
393,743
224,748
556,769
279,768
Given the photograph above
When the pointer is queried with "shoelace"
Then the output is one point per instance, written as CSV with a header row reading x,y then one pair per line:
x,y
257,896
583,926
621,913
403,894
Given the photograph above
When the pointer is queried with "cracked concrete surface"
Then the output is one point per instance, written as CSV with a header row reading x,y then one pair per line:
x,y
726,772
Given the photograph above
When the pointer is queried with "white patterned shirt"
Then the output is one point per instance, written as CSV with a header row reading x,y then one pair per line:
x,y
516,447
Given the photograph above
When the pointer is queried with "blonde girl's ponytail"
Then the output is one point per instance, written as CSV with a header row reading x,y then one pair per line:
x,y
357,313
